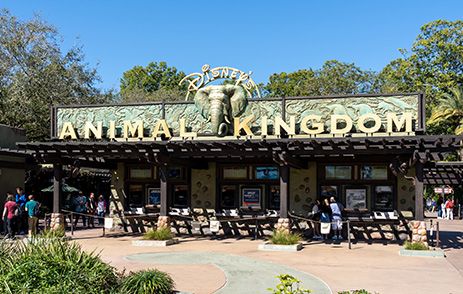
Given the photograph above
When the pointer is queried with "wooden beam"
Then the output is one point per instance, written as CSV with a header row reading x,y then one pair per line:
x,y
163,187
57,187
419,190
284,191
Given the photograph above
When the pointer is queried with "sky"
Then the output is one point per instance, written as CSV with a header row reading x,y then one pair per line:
x,y
264,37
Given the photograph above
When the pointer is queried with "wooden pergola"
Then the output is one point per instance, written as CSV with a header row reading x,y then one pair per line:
x,y
405,152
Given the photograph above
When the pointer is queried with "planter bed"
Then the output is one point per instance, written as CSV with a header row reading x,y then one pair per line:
x,y
422,253
154,243
267,246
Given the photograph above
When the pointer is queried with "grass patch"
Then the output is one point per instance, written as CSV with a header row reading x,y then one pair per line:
x,y
49,233
361,291
415,246
147,281
161,234
282,238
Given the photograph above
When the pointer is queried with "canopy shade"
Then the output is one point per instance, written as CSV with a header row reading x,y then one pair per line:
x,y
64,187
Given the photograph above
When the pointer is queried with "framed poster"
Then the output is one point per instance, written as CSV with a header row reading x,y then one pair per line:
x,y
328,192
356,198
154,196
251,197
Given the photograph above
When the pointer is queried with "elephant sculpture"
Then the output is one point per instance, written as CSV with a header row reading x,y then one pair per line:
x,y
219,103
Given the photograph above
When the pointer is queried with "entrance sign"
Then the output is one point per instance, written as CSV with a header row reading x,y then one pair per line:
x,y
225,112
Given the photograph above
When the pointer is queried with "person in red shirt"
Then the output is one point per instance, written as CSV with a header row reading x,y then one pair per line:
x,y
9,212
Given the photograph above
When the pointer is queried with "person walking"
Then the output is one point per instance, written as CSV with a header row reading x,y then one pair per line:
x,y
21,219
325,218
442,207
9,213
449,205
336,218
32,209
80,207
91,210
439,202
101,209
315,216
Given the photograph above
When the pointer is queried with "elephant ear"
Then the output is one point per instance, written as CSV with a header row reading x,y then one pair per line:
x,y
202,102
238,100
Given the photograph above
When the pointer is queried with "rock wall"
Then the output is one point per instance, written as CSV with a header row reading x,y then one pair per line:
x,y
406,192
302,188
419,232
203,187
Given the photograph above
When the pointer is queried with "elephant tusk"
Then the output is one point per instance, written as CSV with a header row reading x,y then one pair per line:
x,y
208,119
227,120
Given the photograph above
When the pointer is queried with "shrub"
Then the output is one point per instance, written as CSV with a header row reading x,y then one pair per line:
x,y
147,282
415,246
53,266
288,285
49,233
160,234
283,238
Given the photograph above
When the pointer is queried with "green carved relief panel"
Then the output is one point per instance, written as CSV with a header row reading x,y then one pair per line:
x,y
149,114
354,107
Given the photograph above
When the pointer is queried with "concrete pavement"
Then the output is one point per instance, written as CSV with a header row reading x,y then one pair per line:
x,y
377,267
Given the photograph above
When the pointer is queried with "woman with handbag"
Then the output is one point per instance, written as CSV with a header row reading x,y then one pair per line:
x,y
10,212
325,219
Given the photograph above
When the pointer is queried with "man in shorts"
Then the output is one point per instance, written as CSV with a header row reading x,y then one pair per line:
x,y
32,209
336,218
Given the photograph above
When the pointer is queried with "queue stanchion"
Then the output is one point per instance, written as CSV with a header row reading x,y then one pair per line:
x,y
72,224
348,234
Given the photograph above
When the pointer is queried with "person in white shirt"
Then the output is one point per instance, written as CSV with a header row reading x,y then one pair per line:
x,y
336,218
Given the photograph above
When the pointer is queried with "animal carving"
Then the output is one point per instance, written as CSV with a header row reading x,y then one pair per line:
x,y
219,104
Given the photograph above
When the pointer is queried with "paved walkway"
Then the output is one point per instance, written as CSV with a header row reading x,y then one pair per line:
x,y
243,274
376,267
452,242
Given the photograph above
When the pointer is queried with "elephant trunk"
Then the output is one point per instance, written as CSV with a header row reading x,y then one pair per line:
x,y
219,127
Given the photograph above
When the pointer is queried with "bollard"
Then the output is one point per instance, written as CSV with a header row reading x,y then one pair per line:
x,y
72,224
437,235
348,234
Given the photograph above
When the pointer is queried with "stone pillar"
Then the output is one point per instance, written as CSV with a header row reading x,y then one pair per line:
x,y
419,232
283,225
163,222
57,221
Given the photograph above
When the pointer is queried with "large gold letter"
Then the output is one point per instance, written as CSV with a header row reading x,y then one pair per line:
x,y
392,120
133,130
315,124
361,123
281,124
112,129
97,132
161,128
183,132
68,131
243,126
264,126
334,124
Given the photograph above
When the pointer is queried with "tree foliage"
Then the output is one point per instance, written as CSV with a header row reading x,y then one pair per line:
x,y
155,82
35,74
333,78
449,109
434,64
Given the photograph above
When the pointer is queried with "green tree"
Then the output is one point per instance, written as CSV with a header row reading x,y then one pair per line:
x,y
155,82
333,78
35,75
434,64
449,109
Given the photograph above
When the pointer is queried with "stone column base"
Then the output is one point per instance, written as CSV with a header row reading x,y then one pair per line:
x,y
163,222
283,225
419,232
57,221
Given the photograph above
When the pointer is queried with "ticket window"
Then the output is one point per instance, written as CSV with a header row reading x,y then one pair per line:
x,y
228,195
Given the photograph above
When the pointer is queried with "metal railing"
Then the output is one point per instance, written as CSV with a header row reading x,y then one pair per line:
x,y
349,240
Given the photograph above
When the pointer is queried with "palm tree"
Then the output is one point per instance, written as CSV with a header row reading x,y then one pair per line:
x,y
450,107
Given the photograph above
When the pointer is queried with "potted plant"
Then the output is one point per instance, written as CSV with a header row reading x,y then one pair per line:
x,y
419,249
282,240
157,237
